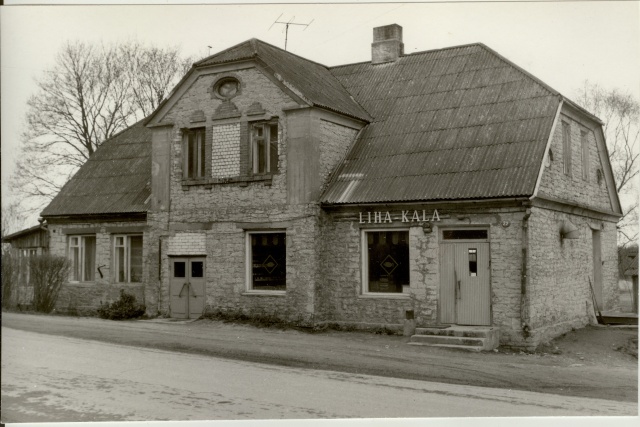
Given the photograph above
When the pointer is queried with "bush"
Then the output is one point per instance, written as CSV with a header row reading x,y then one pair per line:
x,y
9,277
48,273
125,307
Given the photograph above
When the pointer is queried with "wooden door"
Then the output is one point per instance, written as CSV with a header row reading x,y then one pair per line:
x,y
473,296
465,292
186,287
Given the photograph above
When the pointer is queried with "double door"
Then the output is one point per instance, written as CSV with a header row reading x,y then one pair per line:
x,y
187,285
465,297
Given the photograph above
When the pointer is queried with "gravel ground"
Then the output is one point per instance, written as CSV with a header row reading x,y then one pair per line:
x,y
592,362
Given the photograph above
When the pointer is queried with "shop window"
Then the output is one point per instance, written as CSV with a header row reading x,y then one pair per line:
x,y
566,147
386,261
82,253
264,147
128,259
267,261
584,140
194,153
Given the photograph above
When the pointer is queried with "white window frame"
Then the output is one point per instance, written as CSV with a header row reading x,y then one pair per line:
x,y
81,255
127,258
249,262
364,270
255,161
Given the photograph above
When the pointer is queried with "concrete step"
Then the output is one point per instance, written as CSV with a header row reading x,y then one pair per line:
x,y
474,348
473,338
457,331
443,339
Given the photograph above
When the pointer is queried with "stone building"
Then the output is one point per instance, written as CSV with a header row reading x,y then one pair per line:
x,y
448,186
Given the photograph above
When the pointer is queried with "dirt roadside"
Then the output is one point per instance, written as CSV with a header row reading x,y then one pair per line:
x,y
592,362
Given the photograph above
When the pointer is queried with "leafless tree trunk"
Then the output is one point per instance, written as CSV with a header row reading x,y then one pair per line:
x,y
91,93
620,113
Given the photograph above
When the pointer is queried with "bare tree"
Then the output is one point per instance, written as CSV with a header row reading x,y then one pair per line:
x,y
621,115
12,219
91,93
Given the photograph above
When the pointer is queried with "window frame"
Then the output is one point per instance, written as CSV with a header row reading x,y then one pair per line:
x,y
200,154
566,147
82,249
586,158
249,262
127,259
254,159
364,270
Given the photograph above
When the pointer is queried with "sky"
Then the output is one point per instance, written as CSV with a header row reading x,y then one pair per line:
x,y
562,43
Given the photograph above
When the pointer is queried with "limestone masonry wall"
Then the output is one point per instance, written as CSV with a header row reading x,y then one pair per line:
x,y
559,272
335,141
573,188
85,298
340,292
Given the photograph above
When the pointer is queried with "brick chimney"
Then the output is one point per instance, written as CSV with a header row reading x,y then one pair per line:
x,y
387,44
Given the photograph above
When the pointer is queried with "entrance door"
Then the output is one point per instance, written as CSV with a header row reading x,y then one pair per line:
x,y
597,268
465,297
187,288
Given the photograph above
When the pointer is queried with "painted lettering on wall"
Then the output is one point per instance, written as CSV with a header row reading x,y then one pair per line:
x,y
382,217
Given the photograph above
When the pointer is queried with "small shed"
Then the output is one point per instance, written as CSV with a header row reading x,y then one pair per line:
x,y
25,244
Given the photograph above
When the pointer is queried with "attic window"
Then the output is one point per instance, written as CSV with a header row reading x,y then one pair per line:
x,y
226,88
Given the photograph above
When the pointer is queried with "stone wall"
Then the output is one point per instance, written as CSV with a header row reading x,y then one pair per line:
x,y
340,293
335,141
559,271
213,218
573,188
84,298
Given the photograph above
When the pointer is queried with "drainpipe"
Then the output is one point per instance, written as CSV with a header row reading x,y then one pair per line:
x,y
524,312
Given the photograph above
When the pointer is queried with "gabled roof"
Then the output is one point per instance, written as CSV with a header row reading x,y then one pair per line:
x,y
313,81
455,123
115,179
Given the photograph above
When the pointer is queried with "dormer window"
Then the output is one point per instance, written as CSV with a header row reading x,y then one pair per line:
x,y
264,147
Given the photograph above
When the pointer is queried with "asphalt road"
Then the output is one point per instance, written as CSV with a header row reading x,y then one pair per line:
x,y
60,379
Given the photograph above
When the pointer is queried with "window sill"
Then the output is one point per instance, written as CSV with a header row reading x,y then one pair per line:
x,y
242,180
385,296
265,293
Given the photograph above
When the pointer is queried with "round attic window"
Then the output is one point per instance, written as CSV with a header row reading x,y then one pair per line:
x,y
227,88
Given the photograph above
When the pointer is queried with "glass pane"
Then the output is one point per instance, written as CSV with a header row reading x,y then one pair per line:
x,y
179,269
261,156
473,262
269,261
201,154
135,259
76,268
388,260
197,269
89,258
273,148
120,263
464,234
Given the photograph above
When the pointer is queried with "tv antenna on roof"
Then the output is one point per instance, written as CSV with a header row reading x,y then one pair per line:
x,y
286,27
